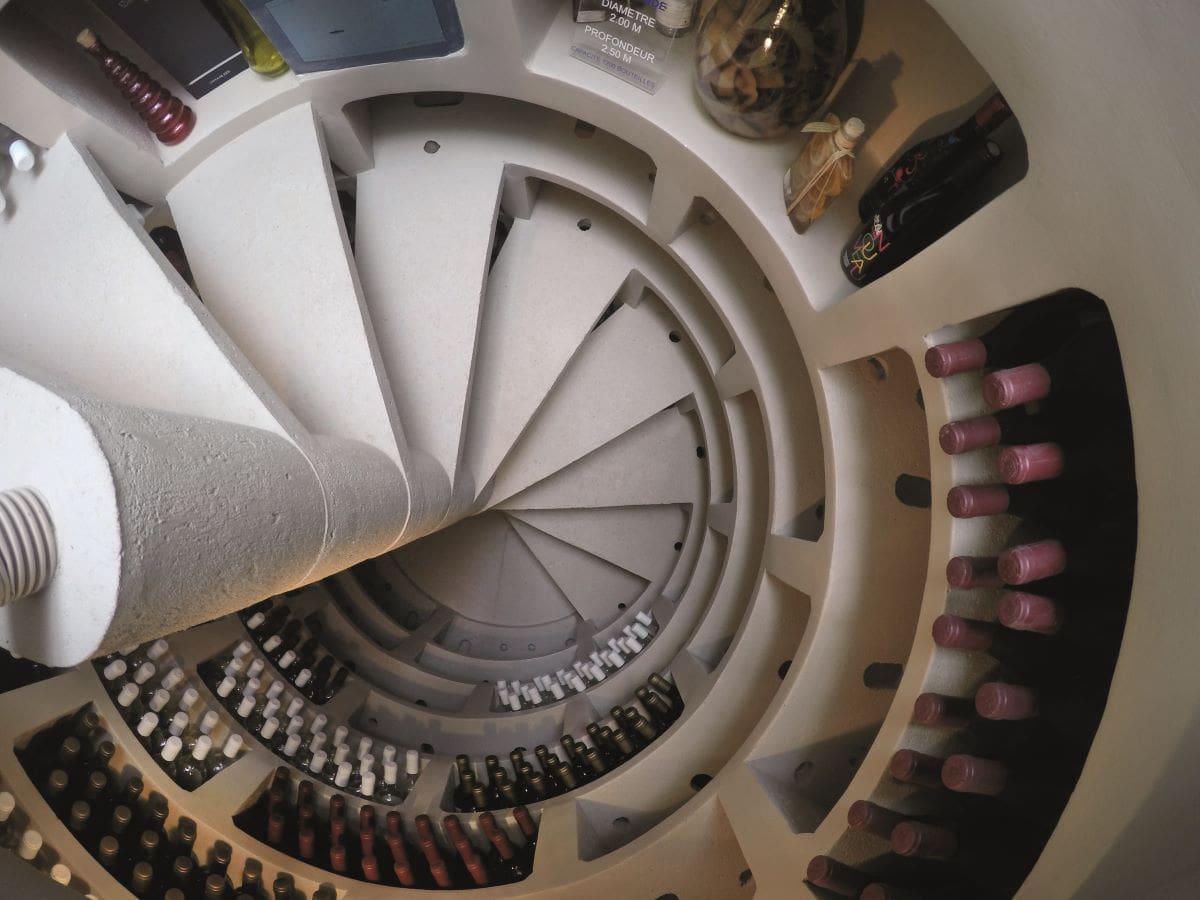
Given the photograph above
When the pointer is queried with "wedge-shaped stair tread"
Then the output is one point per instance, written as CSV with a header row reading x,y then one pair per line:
x,y
548,288
627,370
264,236
639,539
594,587
115,320
481,569
424,234
654,463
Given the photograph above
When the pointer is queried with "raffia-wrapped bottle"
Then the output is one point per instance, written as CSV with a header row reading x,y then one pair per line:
x,y
822,170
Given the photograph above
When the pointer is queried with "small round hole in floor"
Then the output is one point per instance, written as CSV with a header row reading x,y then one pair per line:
x,y
678,546
878,370
783,668
422,703
427,747
700,453
532,647
803,769
621,822
673,337
432,146
584,224
744,877
699,781
620,606
503,647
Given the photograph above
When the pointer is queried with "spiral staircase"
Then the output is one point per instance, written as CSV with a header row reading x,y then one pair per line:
x,y
567,365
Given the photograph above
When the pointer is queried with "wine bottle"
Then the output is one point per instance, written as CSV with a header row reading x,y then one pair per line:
x,y
1081,367
142,879
907,224
916,768
924,162
940,709
1055,504
191,773
1101,558
1026,334
838,878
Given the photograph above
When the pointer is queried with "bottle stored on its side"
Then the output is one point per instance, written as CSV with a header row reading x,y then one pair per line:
x,y
924,162
1026,334
907,224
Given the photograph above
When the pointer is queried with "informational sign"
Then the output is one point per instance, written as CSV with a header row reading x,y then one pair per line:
x,y
623,41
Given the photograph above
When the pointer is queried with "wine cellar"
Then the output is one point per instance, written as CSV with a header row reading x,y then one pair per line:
x,y
661,450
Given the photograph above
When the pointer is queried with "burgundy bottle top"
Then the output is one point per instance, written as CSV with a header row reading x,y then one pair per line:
x,y
524,821
910,765
1006,702
918,839
827,872
366,818
1006,388
308,843
1032,562
393,822
969,434
1029,612
969,572
337,858
440,873
957,633
370,868
487,822
275,827
972,501
396,845
935,709
453,827
974,775
863,815
1031,462
943,360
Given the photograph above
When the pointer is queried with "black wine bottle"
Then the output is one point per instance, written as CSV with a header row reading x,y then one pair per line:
x,y
924,161
907,224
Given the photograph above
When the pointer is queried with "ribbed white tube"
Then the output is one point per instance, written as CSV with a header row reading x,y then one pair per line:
x,y
28,554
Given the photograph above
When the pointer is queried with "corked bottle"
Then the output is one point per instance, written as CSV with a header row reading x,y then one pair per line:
x,y
763,68
822,170
166,115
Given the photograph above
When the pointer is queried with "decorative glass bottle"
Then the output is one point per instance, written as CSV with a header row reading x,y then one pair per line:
x,y
822,170
764,66
260,53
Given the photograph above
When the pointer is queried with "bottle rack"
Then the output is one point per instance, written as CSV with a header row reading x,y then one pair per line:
x,y
988,765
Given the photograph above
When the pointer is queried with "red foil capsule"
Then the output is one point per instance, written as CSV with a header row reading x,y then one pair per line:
x,y
872,818
969,434
916,768
1021,611
938,709
957,633
826,872
944,360
1031,462
1006,702
1006,388
973,501
917,839
970,572
974,775
1032,562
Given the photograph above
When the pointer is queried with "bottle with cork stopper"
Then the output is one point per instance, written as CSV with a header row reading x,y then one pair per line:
x,y
822,170
170,120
